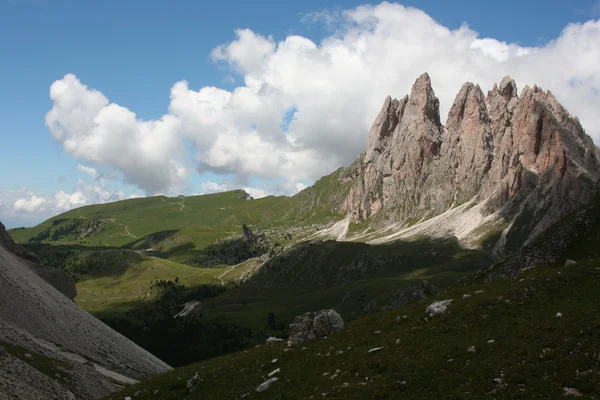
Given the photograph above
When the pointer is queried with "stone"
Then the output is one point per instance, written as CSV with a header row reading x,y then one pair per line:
x,y
571,392
274,372
273,339
266,384
438,308
471,349
312,325
559,315
373,350
191,383
569,263
466,296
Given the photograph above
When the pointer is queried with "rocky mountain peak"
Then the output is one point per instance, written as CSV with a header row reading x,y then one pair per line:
x,y
523,160
423,100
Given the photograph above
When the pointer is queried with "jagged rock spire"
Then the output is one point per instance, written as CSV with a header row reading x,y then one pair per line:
x,y
513,154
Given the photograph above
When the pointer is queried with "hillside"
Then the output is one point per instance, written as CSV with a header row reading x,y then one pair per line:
x,y
179,228
523,349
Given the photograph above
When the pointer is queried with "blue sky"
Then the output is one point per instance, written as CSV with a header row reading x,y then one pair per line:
x,y
134,52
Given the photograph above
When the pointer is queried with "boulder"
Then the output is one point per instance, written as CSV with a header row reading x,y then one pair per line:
x,y
313,325
267,384
273,339
438,308
569,263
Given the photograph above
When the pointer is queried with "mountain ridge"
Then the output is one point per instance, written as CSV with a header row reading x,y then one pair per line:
x,y
523,158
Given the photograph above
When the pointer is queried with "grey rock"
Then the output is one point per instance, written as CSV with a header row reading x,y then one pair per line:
x,y
313,325
471,349
57,278
438,308
523,158
37,317
267,384
273,339
569,263
571,392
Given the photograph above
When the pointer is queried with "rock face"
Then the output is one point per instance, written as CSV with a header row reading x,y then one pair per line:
x,y
314,325
523,158
36,317
9,244
57,278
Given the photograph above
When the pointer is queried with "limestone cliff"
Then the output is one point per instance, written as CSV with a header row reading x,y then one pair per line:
x,y
522,159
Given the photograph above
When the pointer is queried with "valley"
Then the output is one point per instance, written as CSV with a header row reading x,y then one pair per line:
x,y
484,211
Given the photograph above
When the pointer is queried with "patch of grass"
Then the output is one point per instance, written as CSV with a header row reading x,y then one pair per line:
x,y
54,369
118,292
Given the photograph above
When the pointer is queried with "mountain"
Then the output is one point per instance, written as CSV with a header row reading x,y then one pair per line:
x,y
503,168
50,348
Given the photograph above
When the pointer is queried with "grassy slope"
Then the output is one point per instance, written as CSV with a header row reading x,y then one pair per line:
x,y
178,230
197,224
534,354
117,292
351,277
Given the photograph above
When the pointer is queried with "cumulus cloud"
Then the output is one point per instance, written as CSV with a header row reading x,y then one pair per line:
x,y
305,108
150,154
24,206
31,204
214,187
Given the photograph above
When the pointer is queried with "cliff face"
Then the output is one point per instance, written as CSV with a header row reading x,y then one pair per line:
x,y
55,277
523,158
91,359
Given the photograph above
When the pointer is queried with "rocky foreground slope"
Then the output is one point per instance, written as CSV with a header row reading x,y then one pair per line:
x,y
52,349
504,167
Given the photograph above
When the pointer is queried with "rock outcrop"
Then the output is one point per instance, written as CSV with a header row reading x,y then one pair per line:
x,y
57,278
313,325
523,159
90,359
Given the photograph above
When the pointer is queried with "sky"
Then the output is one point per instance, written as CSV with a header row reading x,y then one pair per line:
x,y
107,100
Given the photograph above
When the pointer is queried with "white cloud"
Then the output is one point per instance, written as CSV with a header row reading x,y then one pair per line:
x,y
30,205
88,170
256,193
334,88
24,206
150,154
213,187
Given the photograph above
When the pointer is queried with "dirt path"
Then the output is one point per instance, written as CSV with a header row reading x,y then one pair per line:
x,y
220,277
181,203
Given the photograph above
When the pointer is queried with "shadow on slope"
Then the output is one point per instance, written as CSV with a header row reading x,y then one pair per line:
x,y
353,278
